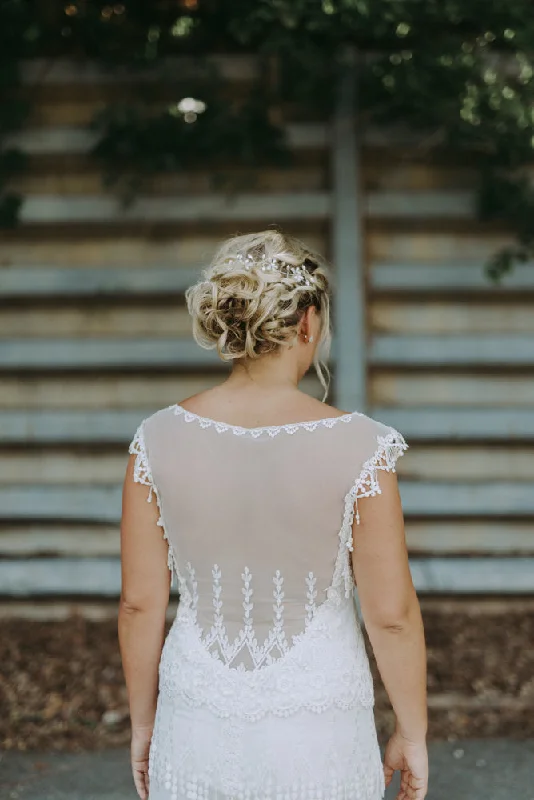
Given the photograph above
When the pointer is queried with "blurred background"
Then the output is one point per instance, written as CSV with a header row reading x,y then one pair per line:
x,y
395,137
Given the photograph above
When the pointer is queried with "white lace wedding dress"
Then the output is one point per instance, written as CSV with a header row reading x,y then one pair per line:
x,y
265,691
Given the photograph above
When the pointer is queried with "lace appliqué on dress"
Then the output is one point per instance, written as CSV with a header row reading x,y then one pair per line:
x,y
389,448
143,474
269,430
216,640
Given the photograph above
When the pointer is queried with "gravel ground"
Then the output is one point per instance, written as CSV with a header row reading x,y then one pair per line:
x,y
62,689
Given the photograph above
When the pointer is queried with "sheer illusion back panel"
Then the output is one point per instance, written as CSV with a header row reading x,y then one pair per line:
x,y
254,518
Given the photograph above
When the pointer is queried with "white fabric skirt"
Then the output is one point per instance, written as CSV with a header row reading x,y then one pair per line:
x,y
197,755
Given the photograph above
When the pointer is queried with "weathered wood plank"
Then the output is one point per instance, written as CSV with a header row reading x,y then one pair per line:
x,y
417,278
471,462
114,426
506,352
52,465
64,210
79,140
142,246
424,538
53,354
64,71
66,540
500,499
421,204
78,176
451,317
101,577
433,248
60,576
385,173
102,426
111,391
436,462
90,503
470,538
468,350
474,575
97,321
469,424
95,282
422,499
391,388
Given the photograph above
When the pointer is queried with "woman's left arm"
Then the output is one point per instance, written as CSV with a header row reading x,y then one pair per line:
x,y
142,609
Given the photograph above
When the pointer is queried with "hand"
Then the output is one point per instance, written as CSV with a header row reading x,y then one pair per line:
x,y
139,751
411,759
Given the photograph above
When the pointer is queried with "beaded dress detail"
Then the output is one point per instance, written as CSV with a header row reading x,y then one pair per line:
x,y
265,691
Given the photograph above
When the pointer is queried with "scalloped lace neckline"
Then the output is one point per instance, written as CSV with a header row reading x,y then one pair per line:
x,y
271,430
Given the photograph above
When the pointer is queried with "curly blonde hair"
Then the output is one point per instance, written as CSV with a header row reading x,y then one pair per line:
x,y
246,311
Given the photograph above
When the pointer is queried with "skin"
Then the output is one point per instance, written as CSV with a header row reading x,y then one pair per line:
x,y
257,393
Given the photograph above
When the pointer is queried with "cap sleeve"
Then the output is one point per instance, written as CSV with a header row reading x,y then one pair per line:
x,y
390,445
142,471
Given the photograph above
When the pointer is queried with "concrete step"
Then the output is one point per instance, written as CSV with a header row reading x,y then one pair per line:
x,y
478,769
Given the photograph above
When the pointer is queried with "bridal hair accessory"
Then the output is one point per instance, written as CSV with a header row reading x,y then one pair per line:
x,y
302,273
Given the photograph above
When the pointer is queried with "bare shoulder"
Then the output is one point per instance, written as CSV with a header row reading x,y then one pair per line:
x,y
200,402
316,409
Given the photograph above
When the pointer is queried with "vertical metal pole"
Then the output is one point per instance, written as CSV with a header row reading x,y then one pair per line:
x,y
349,288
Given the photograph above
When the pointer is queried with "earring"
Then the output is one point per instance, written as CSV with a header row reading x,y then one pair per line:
x,y
310,339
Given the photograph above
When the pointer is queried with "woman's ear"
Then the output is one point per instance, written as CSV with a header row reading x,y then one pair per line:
x,y
304,326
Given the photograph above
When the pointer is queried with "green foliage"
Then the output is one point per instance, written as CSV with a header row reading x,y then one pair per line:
x,y
459,74
134,141
17,35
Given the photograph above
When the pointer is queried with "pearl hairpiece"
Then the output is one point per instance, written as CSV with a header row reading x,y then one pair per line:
x,y
298,273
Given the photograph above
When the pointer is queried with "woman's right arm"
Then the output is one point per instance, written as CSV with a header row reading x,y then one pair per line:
x,y
392,617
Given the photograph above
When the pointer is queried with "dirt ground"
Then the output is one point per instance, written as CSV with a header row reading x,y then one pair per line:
x,y
62,688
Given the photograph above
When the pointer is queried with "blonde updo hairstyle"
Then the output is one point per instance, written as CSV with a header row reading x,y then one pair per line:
x,y
245,311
